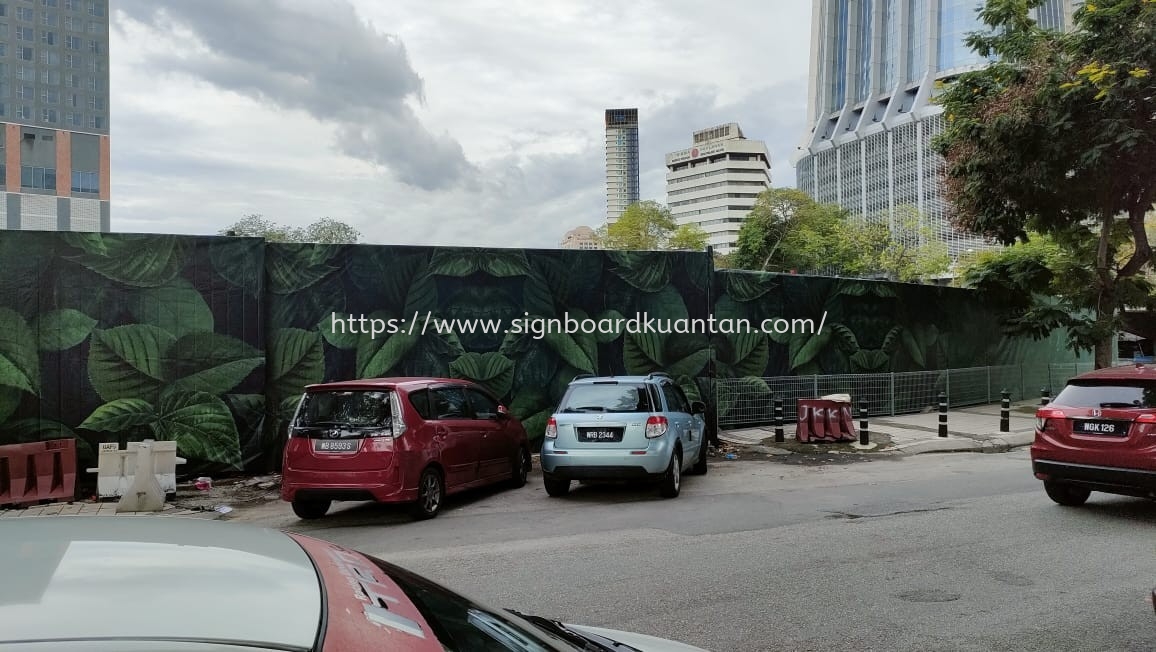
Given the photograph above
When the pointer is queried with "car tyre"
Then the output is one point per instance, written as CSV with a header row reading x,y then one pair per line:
x,y
671,483
431,493
1066,494
556,486
700,467
521,464
310,509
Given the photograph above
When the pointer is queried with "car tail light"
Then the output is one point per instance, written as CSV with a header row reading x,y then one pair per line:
x,y
552,428
1146,418
1043,414
397,423
656,426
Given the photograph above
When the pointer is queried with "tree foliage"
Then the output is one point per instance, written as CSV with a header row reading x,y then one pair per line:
x,y
649,226
1058,136
787,230
324,231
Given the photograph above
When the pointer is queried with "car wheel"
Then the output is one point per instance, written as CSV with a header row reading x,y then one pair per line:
x,y
700,467
522,466
672,480
430,494
1066,494
310,509
556,486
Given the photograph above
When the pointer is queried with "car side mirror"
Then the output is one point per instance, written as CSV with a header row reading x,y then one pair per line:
x,y
697,407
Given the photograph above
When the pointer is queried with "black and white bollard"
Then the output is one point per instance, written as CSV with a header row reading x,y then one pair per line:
x,y
1005,412
942,414
863,435
1044,396
779,420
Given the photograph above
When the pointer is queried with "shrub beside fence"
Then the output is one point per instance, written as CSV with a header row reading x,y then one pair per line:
x,y
747,402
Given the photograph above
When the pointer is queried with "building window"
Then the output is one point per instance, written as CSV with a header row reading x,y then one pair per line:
x,y
70,24
95,27
72,42
48,38
96,9
96,103
25,33
95,65
70,4
73,119
72,81
49,116
3,9
48,18
48,3
96,122
25,54
26,73
25,14
4,88
84,182
72,61
95,47
40,178
25,92
50,96
50,57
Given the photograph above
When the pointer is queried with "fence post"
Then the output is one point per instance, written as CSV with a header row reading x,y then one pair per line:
x,y
863,437
942,414
892,393
778,419
947,386
816,390
988,383
1005,412
1044,397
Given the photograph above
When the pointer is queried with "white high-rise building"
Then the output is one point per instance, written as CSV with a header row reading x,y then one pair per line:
x,y
622,186
715,182
582,237
874,65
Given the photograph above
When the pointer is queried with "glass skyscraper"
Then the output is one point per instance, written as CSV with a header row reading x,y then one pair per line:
x,y
874,64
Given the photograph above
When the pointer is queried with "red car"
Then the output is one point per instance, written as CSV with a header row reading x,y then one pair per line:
x,y
1099,434
399,440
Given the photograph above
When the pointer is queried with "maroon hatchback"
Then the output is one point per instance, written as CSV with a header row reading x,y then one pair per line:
x,y
399,440
1099,434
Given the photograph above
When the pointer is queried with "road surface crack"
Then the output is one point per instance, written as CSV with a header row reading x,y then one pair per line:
x,y
849,515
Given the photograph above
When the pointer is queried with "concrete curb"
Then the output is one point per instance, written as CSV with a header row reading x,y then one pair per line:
x,y
1000,442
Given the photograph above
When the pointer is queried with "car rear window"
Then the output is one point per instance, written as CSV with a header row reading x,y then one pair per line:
x,y
625,397
1108,394
346,409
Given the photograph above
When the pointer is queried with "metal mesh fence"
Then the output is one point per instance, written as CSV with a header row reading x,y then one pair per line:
x,y
750,401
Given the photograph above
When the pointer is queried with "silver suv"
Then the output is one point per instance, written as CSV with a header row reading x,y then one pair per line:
x,y
624,428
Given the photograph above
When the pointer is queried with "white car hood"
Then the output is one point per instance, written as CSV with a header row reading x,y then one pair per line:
x,y
640,641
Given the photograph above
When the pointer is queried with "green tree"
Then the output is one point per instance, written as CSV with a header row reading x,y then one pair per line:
x,y
649,226
325,231
762,235
910,251
1057,136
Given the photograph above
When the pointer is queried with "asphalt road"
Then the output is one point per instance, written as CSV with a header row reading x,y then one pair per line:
x,y
932,552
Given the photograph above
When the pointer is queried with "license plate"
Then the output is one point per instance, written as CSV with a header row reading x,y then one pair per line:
x,y
335,445
1116,428
590,434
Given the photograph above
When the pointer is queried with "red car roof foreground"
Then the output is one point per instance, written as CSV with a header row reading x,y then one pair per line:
x,y
383,383
1123,372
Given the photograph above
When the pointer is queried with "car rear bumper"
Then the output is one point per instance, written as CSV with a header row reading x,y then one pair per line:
x,y
606,464
1132,482
384,486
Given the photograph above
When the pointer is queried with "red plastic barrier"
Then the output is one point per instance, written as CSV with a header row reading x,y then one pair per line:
x,y
820,420
42,471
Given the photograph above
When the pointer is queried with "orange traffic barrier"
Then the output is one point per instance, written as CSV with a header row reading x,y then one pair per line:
x,y
43,471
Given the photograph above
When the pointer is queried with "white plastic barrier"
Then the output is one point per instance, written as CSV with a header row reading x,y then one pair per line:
x,y
144,495
116,468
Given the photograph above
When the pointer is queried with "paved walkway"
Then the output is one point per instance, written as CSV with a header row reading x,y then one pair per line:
x,y
968,429
101,509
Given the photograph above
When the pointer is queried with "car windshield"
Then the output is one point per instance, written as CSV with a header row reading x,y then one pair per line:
x,y
1108,394
347,409
597,397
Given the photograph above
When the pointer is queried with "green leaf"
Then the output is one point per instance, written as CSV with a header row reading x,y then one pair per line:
x,y
136,260
754,363
177,307
570,351
92,243
289,267
19,355
119,416
534,367
201,424
535,425
493,370
506,263
62,329
748,286
383,353
808,347
913,348
644,270
128,361
336,330
639,353
296,359
422,297
665,304
10,398
844,338
26,431
467,261
691,365
210,362
528,401
891,341
536,297
867,360
321,253
240,261
744,343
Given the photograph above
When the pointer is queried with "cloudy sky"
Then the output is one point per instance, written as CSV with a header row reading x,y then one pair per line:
x,y
463,122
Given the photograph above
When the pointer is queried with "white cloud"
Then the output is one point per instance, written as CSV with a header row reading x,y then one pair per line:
x,y
464,123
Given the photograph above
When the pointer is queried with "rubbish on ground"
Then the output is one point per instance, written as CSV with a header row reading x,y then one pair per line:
x,y
222,509
731,456
203,483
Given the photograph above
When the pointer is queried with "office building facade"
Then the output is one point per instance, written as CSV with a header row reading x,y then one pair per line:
x,y
874,68
622,184
716,182
54,110
582,237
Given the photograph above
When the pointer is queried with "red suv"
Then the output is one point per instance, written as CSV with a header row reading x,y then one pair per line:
x,y
1099,434
399,440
